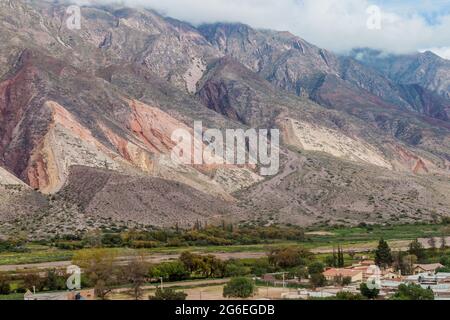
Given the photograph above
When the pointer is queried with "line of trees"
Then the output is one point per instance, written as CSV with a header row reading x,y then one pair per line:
x,y
227,234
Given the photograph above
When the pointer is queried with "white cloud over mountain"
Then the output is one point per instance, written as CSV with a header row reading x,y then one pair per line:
x,y
338,25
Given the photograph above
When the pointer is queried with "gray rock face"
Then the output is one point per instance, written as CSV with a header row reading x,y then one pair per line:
x,y
284,59
299,67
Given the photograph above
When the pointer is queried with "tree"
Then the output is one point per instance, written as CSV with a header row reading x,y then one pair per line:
x,y
170,271
135,273
168,294
289,257
112,240
4,285
416,248
369,293
346,281
98,267
212,266
397,258
235,268
261,267
352,254
315,268
33,281
240,287
317,280
412,292
445,261
54,281
299,272
443,269
331,261
383,256
191,261
443,243
341,261
209,266
432,243
408,264
345,295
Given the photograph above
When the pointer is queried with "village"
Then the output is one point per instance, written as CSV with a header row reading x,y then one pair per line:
x,y
338,283
387,281
384,270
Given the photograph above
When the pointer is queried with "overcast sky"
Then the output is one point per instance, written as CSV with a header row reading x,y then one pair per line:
x,y
338,25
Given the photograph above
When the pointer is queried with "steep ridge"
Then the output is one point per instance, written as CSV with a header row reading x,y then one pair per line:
x,y
114,34
284,59
426,69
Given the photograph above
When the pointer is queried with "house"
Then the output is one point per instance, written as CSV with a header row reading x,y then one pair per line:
x,y
371,270
354,275
390,275
426,268
429,278
268,278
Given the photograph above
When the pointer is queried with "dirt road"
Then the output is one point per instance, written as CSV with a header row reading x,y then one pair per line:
x,y
195,283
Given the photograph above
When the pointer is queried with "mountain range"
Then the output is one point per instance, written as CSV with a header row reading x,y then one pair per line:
x,y
86,118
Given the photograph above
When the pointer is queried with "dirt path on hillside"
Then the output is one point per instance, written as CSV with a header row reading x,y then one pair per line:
x,y
293,164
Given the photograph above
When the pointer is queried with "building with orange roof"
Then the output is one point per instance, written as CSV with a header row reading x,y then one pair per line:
x,y
335,273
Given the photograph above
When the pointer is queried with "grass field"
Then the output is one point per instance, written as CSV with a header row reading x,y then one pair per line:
x,y
400,232
355,237
14,296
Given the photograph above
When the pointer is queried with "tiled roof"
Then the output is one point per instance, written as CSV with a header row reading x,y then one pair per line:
x,y
335,272
429,267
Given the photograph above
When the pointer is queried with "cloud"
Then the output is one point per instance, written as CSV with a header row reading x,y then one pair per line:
x,y
338,25
444,52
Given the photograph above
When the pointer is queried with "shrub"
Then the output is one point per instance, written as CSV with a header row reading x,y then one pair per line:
x,y
170,271
369,293
240,287
318,280
348,296
4,285
168,294
315,268
112,240
236,269
289,257
55,281
413,292
33,280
